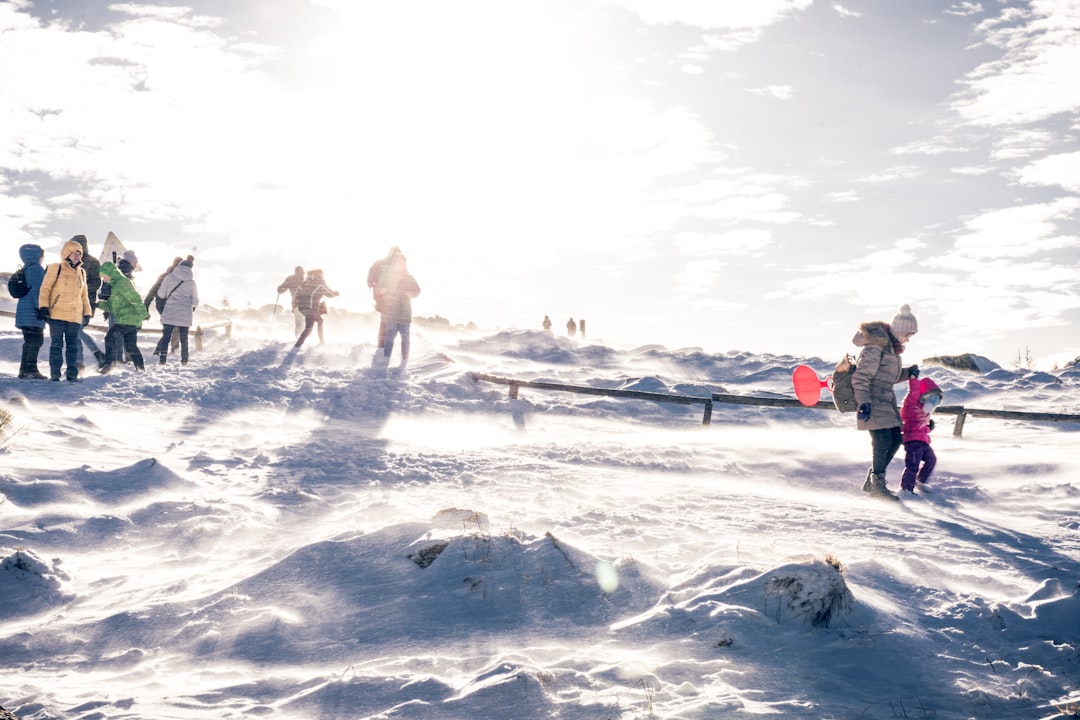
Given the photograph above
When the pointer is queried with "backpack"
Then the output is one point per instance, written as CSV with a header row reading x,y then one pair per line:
x,y
17,285
843,394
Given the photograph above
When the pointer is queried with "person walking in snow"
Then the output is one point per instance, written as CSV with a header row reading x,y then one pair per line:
x,y
374,273
292,284
26,315
63,303
877,369
394,293
309,301
180,293
571,327
547,324
126,265
91,266
125,306
922,399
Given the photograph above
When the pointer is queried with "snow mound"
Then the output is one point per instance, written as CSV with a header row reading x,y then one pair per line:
x,y
29,585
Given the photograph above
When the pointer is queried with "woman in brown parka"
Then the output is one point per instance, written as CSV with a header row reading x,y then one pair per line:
x,y
64,304
877,370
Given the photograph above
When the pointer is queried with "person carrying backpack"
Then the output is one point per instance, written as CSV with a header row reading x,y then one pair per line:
x,y
125,306
292,283
309,302
65,306
26,315
877,370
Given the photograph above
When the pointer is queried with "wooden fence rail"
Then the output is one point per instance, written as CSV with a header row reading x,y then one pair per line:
x,y
609,392
959,411
198,331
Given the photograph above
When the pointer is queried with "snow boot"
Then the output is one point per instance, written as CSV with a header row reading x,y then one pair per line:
x,y
878,489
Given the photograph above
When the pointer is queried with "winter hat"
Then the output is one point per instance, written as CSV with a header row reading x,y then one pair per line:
x,y
904,323
125,266
132,259
189,261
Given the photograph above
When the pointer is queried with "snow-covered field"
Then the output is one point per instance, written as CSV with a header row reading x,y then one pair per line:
x,y
263,534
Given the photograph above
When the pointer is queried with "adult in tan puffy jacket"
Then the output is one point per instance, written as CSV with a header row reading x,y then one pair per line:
x,y
877,370
64,304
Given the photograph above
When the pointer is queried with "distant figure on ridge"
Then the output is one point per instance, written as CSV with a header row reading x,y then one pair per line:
x,y
547,323
571,327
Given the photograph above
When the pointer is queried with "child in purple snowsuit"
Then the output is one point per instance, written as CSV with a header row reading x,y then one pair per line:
x,y
922,398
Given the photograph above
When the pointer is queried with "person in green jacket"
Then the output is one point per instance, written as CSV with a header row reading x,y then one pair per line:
x,y
126,307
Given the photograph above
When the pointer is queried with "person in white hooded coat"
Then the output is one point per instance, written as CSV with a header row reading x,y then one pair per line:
x,y
181,295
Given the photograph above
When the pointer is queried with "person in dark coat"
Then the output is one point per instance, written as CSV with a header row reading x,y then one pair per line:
x,y
92,266
26,314
292,284
373,274
309,301
877,369
394,293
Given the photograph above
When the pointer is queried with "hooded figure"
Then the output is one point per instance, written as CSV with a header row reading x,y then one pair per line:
x,y
63,302
26,314
180,294
877,370
919,458
125,306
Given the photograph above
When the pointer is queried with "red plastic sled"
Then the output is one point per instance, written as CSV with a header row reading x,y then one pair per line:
x,y
807,385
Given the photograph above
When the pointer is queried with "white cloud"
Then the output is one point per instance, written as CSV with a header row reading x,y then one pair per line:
x,y
845,12
713,14
747,241
1017,232
1035,78
964,9
780,92
1062,169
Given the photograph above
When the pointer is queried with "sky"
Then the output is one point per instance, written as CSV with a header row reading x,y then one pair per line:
x,y
271,534
724,175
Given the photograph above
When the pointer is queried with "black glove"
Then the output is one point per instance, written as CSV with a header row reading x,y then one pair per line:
x,y
931,425
864,412
43,313
85,320
913,371
105,315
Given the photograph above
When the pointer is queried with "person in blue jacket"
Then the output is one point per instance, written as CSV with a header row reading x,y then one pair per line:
x,y
26,313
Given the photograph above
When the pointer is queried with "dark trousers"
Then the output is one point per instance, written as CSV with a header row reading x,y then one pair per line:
x,y
918,453
166,338
33,339
128,337
310,320
64,346
393,329
885,443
